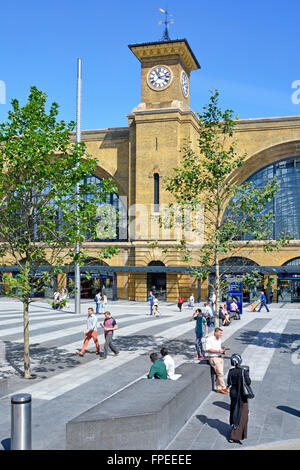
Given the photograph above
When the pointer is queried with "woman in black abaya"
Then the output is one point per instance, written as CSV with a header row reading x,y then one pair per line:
x,y
238,403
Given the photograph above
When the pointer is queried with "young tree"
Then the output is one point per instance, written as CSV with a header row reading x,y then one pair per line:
x,y
232,211
42,217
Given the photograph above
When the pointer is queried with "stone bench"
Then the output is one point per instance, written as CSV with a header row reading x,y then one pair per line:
x,y
145,415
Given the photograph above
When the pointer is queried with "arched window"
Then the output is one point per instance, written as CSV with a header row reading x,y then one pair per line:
x,y
156,192
286,203
237,261
292,262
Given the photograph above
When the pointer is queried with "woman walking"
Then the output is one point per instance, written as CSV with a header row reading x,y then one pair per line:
x,y
238,403
180,302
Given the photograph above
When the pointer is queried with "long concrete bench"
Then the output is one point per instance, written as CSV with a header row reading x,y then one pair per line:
x,y
145,415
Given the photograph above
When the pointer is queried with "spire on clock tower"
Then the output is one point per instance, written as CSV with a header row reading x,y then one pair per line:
x,y
165,36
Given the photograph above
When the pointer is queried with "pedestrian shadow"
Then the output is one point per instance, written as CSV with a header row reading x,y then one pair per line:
x,y
6,443
220,426
222,404
289,410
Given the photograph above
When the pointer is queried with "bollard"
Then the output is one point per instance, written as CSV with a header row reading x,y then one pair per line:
x,y
21,422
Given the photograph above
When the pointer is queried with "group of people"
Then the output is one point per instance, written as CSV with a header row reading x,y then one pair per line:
x,y
236,376
162,367
60,299
154,310
180,301
109,325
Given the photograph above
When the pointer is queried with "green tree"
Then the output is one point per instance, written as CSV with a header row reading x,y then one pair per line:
x,y
42,217
232,211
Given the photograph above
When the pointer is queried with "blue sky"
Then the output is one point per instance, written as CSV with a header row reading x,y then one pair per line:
x,y
248,50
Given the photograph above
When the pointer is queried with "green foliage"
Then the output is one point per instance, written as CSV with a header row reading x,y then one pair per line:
x,y
42,216
232,211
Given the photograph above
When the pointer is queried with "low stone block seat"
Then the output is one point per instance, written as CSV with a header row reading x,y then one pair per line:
x,y
145,415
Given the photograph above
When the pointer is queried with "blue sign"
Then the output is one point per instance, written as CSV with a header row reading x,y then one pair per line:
x,y
235,292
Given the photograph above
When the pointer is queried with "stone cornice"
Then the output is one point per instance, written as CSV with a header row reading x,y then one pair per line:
x,y
268,123
159,49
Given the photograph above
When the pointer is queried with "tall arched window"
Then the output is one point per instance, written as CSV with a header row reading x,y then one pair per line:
x,y
286,203
156,192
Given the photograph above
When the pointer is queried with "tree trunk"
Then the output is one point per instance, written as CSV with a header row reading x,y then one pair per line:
x,y
27,372
217,320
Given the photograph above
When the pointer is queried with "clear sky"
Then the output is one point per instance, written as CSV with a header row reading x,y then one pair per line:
x,y
250,51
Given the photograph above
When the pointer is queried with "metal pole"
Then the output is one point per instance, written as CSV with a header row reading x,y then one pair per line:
x,y
21,422
78,140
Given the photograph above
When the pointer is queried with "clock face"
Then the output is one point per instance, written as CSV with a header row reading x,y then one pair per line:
x,y
159,77
184,84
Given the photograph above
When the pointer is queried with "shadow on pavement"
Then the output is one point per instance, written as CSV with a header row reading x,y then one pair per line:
x,y
45,359
222,404
6,444
220,426
289,410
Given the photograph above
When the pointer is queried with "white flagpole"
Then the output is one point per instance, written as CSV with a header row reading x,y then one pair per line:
x,y
78,139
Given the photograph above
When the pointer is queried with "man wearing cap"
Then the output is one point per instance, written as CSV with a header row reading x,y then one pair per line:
x,y
214,352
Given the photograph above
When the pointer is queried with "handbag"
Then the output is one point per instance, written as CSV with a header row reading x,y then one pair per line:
x,y
247,390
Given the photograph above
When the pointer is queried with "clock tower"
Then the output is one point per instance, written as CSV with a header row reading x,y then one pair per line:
x,y
158,127
165,73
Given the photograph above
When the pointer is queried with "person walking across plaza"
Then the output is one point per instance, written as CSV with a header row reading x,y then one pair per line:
x,y
215,351
151,298
104,302
263,302
90,332
238,403
180,302
109,325
201,325
97,300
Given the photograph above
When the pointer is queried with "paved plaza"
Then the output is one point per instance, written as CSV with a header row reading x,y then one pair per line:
x,y
64,385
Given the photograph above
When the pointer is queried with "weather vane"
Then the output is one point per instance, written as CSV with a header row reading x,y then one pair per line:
x,y
165,36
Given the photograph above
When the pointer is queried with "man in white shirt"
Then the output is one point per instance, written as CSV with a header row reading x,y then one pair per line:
x,y
170,364
90,332
214,352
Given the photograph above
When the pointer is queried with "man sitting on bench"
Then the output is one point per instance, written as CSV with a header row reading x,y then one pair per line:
x,y
234,310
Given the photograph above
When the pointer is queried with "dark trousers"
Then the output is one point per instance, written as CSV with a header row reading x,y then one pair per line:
x,y
198,344
263,304
109,344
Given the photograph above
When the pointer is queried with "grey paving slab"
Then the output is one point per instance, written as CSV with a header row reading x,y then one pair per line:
x,y
274,413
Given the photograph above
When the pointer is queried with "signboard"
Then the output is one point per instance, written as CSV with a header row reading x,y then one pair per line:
x,y
235,291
